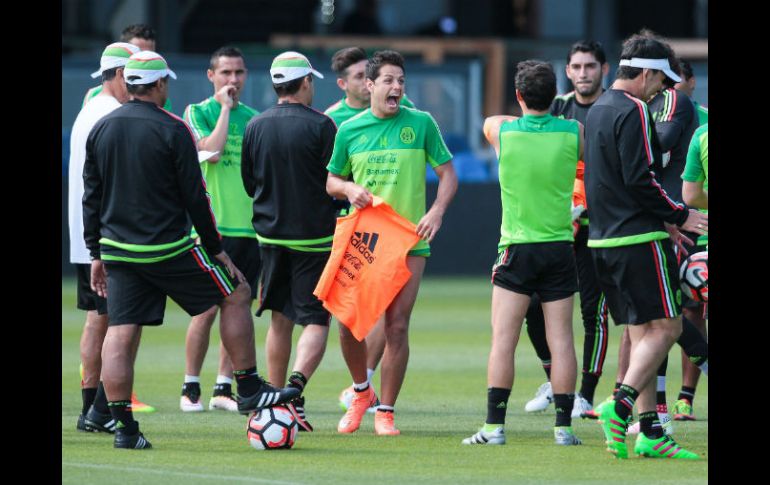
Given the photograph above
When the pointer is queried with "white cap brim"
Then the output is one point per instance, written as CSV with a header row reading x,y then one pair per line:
x,y
287,74
659,64
147,76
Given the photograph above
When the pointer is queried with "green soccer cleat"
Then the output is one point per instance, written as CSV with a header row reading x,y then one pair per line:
x,y
664,447
683,410
614,428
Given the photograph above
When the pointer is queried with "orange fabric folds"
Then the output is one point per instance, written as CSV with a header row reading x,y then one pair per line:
x,y
367,266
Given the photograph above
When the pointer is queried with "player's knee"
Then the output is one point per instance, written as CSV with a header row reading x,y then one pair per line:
x,y
241,295
397,329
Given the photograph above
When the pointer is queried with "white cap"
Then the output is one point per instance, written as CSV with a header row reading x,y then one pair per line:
x,y
289,66
659,64
146,67
115,55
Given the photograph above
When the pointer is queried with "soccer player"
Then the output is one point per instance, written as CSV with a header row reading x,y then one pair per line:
x,y
218,124
386,149
142,185
538,156
586,68
687,86
143,37
285,151
95,415
350,66
631,215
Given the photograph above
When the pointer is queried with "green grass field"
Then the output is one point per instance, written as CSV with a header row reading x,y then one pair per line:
x,y
443,400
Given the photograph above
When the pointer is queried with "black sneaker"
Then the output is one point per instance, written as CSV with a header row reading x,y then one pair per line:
x,y
99,422
131,441
266,397
297,408
81,426
190,402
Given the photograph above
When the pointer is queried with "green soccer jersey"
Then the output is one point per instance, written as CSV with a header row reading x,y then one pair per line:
x,y
340,112
232,206
696,168
98,89
389,157
538,161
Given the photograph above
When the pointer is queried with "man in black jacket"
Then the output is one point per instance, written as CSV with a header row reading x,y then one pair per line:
x,y
283,164
631,216
142,181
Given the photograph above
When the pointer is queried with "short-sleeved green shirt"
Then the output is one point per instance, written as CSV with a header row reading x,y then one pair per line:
x,y
98,89
231,204
703,113
538,161
340,112
696,167
389,157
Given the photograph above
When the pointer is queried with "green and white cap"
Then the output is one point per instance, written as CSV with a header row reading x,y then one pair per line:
x,y
289,66
115,55
146,67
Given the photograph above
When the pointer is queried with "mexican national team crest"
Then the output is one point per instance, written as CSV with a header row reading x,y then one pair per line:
x,y
407,135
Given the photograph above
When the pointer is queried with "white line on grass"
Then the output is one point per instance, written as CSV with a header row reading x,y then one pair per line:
x,y
181,474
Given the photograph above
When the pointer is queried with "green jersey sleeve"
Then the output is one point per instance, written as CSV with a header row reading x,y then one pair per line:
x,y
339,164
195,117
693,169
435,148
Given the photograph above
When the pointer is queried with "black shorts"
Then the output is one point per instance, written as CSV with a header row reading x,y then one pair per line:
x,y
641,281
688,302
287,283
87,298
137,292
547,269
244,251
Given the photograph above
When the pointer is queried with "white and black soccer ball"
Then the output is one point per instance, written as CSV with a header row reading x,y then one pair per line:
x,y
272,428
694,276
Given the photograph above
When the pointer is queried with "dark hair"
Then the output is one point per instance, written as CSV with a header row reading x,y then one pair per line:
x,y
344,58
109,74
226,51
142,31
536,82
646,45
142,89
290,87
381,58
590,46
685,69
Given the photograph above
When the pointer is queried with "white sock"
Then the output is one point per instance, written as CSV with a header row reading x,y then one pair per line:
x,y
369,374
188,379
360,387
383,407
224,379
661,384
704,367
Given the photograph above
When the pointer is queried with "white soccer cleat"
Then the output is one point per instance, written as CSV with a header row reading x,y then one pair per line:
x,y
225,403
496,437
543,398
665,422
580,406
188,406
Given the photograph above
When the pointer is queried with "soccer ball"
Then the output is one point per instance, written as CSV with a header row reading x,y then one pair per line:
x,y
694,276
272,428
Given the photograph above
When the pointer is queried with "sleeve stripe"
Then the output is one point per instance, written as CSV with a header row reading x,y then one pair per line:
x,y
645,126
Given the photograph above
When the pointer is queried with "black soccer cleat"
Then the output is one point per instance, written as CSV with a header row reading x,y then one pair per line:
x,y
81,426
297,408
131,441
99,422
266,397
